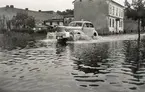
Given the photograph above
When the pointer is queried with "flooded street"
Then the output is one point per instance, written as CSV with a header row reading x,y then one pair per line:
x,y
106,65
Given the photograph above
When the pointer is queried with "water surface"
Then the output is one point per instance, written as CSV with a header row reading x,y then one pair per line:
x,y
46,66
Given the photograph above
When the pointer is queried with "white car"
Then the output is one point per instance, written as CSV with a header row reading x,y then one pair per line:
x,y
77,30
82,30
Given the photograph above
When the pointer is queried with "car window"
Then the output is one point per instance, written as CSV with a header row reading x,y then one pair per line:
x,y
77,24
86,25
72,24
89,25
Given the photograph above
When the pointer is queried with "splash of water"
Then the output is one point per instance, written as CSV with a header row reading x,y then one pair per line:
x,y
110,38
83,38
51,37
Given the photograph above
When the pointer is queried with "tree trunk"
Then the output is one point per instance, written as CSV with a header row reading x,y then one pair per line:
x,y
139,29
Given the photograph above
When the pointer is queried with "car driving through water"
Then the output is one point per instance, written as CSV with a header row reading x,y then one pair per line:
x,y
76,30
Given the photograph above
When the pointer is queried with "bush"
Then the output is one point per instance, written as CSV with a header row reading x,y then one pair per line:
x,y
23,30
2,31
11,40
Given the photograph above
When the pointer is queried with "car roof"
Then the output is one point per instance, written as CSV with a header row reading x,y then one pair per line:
x,y
80,22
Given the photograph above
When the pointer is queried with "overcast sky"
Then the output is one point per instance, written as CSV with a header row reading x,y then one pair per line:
x,y
42,4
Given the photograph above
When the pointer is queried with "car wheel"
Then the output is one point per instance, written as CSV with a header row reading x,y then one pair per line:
x,y
95,35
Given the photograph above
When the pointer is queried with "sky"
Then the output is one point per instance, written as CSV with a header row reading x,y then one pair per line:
x,y
43,4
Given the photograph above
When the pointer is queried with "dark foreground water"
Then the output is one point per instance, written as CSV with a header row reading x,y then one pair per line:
x,y
103,66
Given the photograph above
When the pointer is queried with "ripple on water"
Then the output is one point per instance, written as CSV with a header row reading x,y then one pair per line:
x,y
90,65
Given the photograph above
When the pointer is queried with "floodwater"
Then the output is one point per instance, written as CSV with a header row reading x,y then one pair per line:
x,y
111,64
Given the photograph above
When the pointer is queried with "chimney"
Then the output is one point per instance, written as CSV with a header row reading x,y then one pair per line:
x,y
7,6
11,6
39,10
26,9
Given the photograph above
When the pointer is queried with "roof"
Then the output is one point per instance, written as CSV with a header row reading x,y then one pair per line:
x,y
82,21
68,16
116,3
113,1
54,20
10,12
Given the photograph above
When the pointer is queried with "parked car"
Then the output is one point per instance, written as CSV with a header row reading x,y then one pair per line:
x,y
78,30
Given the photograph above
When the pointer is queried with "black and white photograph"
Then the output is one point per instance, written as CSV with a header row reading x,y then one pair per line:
x,y
72,45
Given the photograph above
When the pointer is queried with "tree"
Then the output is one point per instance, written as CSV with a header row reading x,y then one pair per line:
x,y
66,12
22,20
136,11
30,22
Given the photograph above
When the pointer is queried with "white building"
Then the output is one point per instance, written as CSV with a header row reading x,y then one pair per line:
x,y
106,15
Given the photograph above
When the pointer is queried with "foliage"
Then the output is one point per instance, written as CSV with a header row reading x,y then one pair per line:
x,y
30,22
66,12
136,11
2,22
22,20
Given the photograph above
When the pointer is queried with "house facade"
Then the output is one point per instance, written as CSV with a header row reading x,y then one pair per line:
x,y
106,15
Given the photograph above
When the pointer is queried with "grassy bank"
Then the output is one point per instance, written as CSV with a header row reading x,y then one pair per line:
x,y
12,40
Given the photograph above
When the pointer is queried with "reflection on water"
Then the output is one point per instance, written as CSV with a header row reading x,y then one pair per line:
x,y
116,66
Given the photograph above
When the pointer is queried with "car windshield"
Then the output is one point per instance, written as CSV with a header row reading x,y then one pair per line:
x,y
76,24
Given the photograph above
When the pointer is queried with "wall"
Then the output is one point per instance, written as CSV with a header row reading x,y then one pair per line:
x,y
94,11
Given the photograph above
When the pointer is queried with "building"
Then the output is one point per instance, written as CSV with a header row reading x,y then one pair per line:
x,y
8,12
68,19
106,15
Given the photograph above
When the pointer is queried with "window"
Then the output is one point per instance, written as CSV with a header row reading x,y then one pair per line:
x,y
113,24
89,25
85,25
78,24
116,11
73,24
119,12
113,10
122,13
110,9
110,23
121,23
